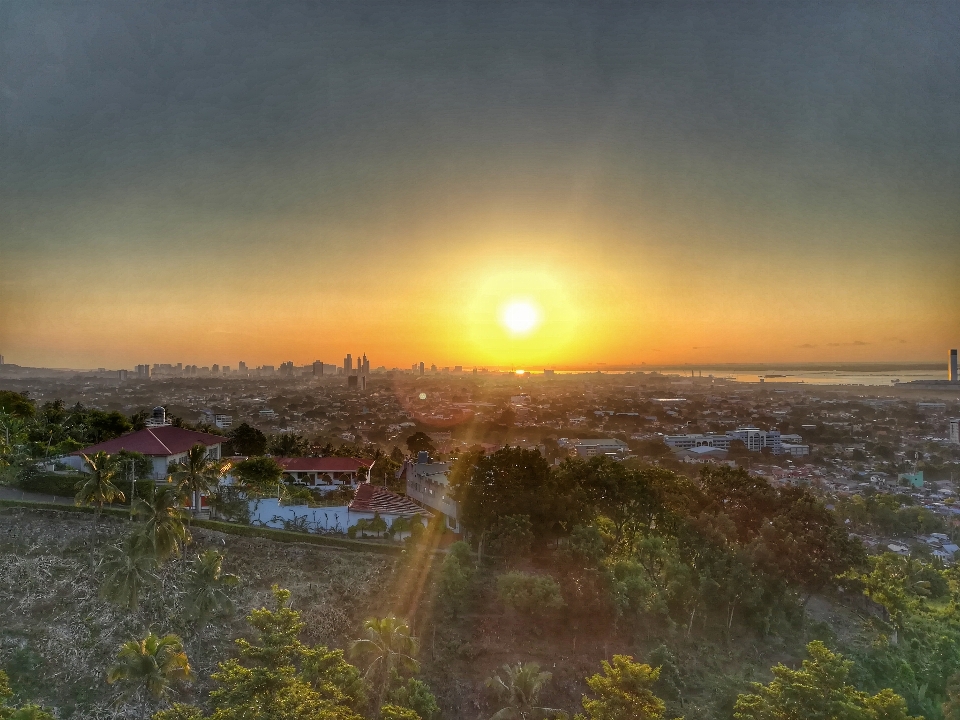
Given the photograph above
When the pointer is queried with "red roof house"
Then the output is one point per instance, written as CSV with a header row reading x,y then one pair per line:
x,y
376,499
165,444
325,473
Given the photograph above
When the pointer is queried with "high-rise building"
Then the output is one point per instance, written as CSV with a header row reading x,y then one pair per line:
x,y
317,368
953,367
422,368
242,367
954,435
215,369
122,375
364,365
348,364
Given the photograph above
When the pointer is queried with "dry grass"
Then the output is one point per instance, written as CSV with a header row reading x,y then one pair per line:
x,y
57,637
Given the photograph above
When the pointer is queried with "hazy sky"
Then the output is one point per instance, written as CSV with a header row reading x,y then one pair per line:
x,y
662,182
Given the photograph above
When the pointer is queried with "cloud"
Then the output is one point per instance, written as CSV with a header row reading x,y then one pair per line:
x,y
807,345
859,342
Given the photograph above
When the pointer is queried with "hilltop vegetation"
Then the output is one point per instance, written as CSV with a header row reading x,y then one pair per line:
x,y
689,589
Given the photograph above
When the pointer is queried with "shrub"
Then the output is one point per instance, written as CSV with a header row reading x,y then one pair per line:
x,y
529,594
66,485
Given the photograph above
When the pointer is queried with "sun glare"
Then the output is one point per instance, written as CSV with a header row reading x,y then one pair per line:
x,y
520,317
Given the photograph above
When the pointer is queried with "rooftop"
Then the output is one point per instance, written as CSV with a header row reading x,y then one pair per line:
x,y
160,441
373,498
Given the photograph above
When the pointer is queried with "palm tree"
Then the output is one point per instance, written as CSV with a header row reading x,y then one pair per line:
x,y
519,690
198,473
164,518
388,648
98,488
153,664
207,592
129,569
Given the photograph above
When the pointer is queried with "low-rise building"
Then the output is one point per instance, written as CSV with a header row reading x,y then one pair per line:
x,y
696,440
600,446
795,449
428,483
326,474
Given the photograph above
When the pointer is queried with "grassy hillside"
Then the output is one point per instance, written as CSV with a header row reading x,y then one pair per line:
x,y
57,636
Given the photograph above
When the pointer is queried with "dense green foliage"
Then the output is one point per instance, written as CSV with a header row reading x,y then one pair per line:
x,y
245,439
22,712
641,542
623,692
818,691
28,432
885,515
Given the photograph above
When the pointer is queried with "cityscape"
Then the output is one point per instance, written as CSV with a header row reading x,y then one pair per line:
x,y
479,361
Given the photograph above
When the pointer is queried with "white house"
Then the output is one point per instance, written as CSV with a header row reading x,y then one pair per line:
x,y
164,444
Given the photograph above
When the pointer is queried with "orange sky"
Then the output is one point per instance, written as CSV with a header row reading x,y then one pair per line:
x,y
677,184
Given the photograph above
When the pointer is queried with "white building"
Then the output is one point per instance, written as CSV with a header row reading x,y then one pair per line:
x,y
954,435
428,484
600,446
753,438
756,439
694,440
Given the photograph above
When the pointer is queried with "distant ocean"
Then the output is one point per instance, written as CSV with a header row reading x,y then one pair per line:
x,y
810,375
814,377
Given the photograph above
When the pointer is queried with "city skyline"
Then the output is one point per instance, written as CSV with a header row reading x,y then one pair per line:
x,y
491,184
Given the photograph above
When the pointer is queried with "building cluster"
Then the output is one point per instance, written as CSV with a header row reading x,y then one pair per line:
x,y
852,440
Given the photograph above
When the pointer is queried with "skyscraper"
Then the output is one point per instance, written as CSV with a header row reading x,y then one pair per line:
x,y
954,435
242,368
317,368
421,368
953,366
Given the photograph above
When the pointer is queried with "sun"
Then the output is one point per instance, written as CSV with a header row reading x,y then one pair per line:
x,y
520,317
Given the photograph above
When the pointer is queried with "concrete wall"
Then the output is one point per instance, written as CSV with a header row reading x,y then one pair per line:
x,y
338,518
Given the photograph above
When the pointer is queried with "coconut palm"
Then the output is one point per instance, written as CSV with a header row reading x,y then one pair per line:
x,y
163,521
153,664
98,488
198,473
519,692
207,591
129,570
387,647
